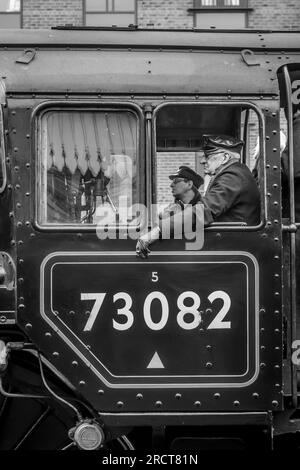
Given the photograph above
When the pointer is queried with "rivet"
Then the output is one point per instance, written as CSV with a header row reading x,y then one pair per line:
x,y
32,235
277,330
19,224
208,347
27,136
262,330
275,203
269,194
236,403
27,165
277,366
275,186
21,299
101,392
55,354
276,239
274,132
276,275
71,312
197,403
262,310
158,404
120,404
74,363
27,194
277,294
178,396
13,113
48,334
267,136
277,385
208,310
139,396
217,395
262,365
15,150
19,204
276,221
12,242
275,403
276,312
21,261
208,365
82,383
27,223
255,395
21,307
275,167
17,168
267,166
263,348
18,186
274,149
20,242
20,280
276,257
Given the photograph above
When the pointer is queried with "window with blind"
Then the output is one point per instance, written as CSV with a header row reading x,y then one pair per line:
x,y
87,165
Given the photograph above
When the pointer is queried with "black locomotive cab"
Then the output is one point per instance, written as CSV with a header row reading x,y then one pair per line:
x,y
195,342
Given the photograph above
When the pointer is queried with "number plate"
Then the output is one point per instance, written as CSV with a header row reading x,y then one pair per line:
x,y
185,319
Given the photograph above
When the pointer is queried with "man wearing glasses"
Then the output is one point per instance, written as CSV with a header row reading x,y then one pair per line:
x,y
232,194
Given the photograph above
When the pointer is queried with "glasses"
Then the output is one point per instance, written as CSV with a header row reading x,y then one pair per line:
x,y
208,157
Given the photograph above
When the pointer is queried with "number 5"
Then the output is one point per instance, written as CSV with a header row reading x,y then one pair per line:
x,y
95,310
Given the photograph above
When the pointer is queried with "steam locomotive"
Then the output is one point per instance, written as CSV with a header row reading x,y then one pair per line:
x,y
186,349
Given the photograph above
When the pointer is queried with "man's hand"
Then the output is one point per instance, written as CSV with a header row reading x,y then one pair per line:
x,y
142,249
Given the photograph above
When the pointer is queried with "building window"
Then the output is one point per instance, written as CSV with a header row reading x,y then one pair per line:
x,y
10,13
110,12
222,14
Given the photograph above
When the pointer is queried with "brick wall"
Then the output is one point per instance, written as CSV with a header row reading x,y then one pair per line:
x,y
165,13
274,14
47,13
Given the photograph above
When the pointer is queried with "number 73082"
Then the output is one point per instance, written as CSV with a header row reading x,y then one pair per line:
x,y
188,317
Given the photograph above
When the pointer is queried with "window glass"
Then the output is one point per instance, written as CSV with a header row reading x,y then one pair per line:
x,y
88,165
124,5
10,5
231,3
224,20
96,5
109,19
180,130
208,3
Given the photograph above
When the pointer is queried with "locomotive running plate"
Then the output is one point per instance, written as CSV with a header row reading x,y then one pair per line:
x,y
177,319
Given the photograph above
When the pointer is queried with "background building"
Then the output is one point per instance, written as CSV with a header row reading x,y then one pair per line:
x,y
255,14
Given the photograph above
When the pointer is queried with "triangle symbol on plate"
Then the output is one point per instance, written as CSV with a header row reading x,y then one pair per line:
x,y
155,362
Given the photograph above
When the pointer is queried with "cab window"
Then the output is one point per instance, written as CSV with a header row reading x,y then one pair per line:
x,y
87,165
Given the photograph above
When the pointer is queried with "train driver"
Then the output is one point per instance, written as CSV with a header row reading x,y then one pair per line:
x,y
232,194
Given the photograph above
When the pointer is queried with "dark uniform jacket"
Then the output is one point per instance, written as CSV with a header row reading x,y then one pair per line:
x,y
232,196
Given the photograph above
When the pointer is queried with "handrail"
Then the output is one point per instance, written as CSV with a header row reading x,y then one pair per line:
x,y
288,89
2,154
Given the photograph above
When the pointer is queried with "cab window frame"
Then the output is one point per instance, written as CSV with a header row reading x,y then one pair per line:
x,y
221,226
84,106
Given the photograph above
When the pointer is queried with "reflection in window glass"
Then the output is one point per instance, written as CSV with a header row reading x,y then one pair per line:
x,y
10,5
87,165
